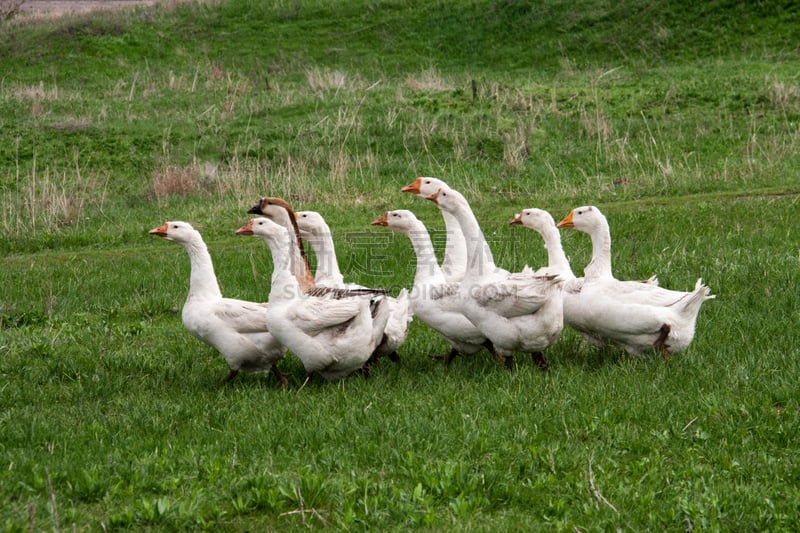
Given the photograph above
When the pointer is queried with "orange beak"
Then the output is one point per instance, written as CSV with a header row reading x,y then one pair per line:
x,y
517,220
434,197
567,222
161,231
246,230
413,188
381,221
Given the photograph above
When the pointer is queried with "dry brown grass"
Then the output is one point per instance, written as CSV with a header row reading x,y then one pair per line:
x,y
429,80
595,125
783,95
515,148
174,181
322,80
51,200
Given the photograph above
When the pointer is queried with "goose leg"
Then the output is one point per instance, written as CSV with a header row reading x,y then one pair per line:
x,y
282,381
506,360
230,376
448,358
538,358
660,343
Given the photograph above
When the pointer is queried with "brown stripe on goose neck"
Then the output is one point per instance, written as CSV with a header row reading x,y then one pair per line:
x,y
280,202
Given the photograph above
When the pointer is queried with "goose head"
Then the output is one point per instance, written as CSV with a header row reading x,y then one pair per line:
x,y
535,219
447,199
424,186
271,207
175,231
263,227
399,220
311,223
280,211
585,219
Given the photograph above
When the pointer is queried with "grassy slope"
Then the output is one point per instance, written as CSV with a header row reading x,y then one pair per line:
x,y
675,117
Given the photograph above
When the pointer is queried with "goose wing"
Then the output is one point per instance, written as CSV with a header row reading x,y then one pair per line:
x,y
636,292
313,315
242,316
519,294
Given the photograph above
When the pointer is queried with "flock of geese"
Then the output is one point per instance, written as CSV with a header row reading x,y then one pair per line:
x,y
336,328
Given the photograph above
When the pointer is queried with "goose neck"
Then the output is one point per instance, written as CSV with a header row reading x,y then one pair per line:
x,y
600,265
322,244
284,283
427,264
556,258
202,280
479,256
455,248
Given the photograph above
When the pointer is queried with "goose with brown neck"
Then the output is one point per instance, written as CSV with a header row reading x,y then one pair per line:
x,y
280,211
332,337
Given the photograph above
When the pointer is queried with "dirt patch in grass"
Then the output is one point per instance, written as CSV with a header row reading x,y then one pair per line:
x,y
64,7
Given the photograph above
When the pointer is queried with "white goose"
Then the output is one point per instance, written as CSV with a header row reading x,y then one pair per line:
x,y
636,316
542,222
317,233
454,262
235,328
517,312
333,337
435,298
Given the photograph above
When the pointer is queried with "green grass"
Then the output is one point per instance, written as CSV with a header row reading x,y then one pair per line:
x,y
679,119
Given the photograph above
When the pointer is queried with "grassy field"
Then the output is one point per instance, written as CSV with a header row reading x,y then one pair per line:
x,y
680,120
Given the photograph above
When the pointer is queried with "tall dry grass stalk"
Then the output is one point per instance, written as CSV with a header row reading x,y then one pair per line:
x,y
50,201
783,95
339,164
516,148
